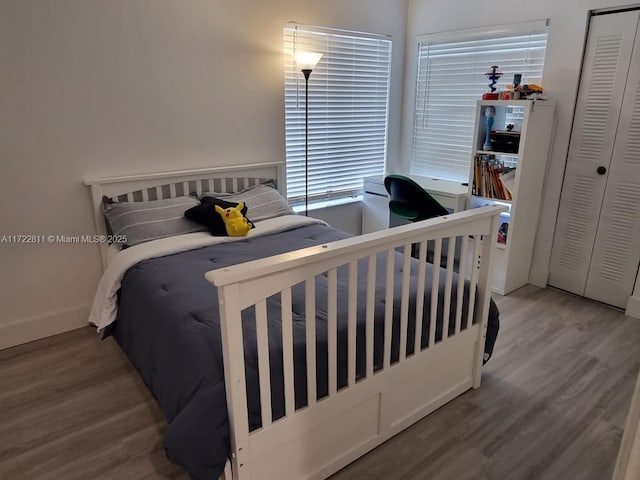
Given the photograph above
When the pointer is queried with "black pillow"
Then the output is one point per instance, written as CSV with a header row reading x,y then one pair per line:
x,y
205,214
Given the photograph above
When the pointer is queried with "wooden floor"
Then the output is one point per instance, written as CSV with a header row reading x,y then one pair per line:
x,y
552,406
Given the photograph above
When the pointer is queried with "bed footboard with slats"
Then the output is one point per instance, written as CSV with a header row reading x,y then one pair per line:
x,y
382,398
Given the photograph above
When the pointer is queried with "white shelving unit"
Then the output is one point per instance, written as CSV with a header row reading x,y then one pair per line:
x,y
534,121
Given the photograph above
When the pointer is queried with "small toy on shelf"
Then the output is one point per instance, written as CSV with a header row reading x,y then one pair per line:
x,y
517,79
530,91
493,75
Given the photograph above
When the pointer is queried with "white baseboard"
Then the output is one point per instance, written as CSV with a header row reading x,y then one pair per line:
x,y
633,307
42,326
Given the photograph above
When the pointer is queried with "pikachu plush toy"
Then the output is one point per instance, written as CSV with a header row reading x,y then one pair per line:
x,y
236,224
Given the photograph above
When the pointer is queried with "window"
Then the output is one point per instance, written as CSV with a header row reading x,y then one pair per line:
x,y
348,111
451,78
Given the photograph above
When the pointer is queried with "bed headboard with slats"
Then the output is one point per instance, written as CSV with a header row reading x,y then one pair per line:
x,y
156,186
191,187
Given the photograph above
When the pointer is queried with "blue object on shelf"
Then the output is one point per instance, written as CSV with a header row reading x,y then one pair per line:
x,y
489,113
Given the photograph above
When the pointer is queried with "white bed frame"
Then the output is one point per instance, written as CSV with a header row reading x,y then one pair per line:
x,y
315,441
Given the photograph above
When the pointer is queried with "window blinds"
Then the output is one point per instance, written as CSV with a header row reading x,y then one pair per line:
x,y
348,111
450,80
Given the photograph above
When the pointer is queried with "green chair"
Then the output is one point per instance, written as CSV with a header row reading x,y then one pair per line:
x,y
410,201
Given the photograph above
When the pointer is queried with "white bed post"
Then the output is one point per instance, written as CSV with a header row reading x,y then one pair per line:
x,y
484,295
281,179
96,196
235,381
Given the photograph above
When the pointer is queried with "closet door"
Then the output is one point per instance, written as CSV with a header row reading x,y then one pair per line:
x,y
604,76
616,252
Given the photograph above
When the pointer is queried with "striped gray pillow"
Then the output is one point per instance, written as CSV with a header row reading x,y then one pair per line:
x,y
262,202
144,221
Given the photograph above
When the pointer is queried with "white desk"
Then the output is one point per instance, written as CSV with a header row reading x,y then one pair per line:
x,y
375,214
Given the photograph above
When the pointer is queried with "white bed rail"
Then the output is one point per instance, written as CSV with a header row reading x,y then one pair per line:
x,y
381,399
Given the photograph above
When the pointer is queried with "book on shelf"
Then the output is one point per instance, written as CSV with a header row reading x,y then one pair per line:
x,y
491,179
508,178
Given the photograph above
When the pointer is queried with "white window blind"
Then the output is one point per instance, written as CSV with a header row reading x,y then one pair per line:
x,y
450,80
348,111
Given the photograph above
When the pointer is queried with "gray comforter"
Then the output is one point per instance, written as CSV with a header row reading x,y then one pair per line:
x,y
168,325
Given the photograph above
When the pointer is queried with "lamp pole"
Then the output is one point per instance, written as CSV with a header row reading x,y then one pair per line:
x,y
306,61
307,73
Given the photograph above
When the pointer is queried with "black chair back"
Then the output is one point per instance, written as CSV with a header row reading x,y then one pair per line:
x,y
409,200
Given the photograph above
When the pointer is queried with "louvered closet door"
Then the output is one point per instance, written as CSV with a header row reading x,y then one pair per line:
x,y
616,252
596,249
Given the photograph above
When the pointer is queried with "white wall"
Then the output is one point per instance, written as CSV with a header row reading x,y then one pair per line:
x,y
111,87
568,28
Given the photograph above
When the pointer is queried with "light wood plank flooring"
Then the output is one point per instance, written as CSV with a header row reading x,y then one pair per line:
x,y
552,406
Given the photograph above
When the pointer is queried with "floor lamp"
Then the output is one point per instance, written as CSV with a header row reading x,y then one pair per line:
x,y
306,62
